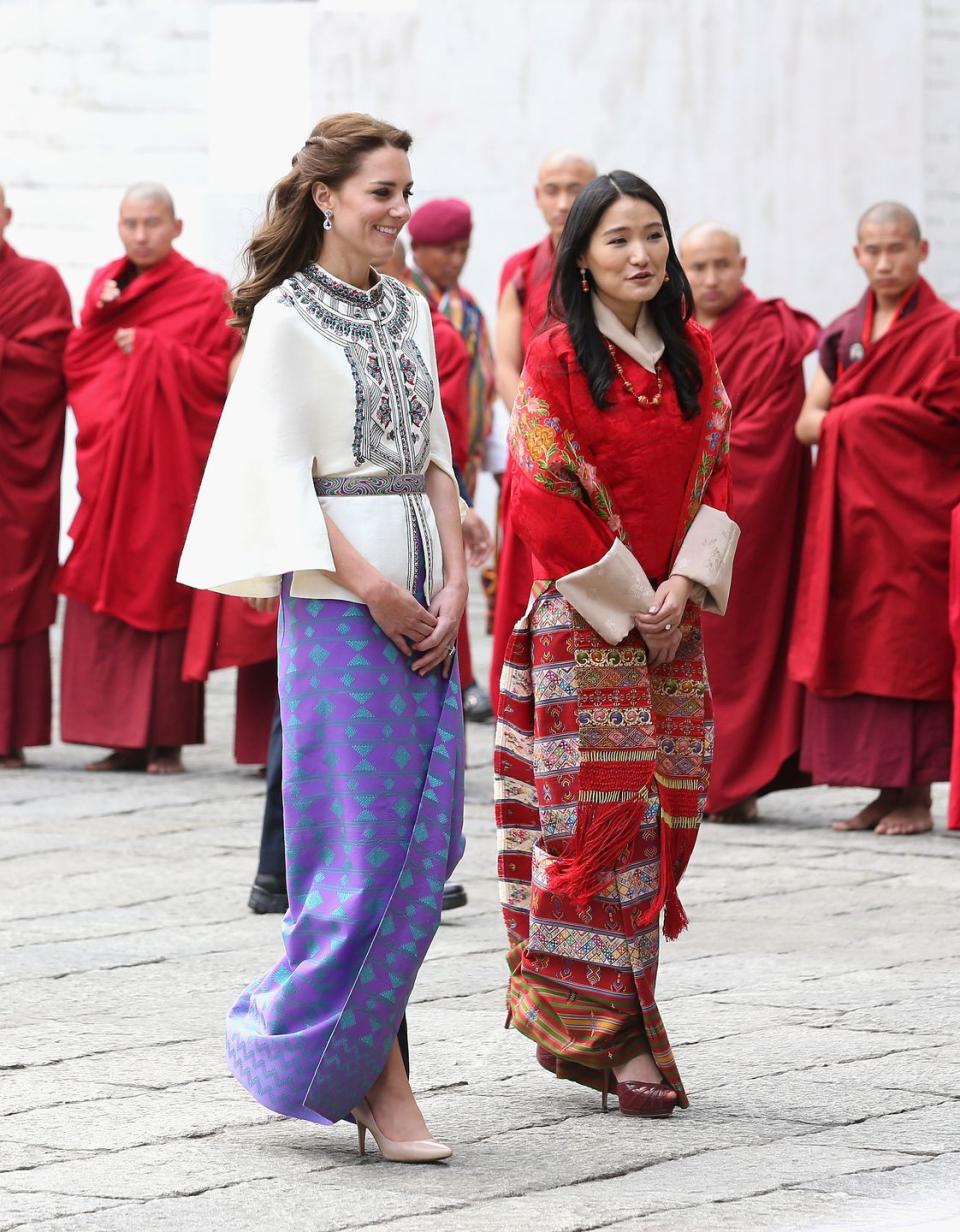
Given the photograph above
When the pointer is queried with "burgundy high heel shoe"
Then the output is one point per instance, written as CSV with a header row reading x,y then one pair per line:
x,y
644,1099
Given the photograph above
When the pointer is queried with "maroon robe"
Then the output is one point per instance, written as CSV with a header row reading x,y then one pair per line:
x,y
35,320
530,273
144,426
758,710
871,638
225,631
953,818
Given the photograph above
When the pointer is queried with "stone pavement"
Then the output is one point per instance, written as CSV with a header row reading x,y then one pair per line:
x,y
813,1004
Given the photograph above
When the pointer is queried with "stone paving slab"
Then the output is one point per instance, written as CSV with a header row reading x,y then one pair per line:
x,y
814,1004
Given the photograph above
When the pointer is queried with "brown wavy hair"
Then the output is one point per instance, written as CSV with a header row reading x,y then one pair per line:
x,y
291,234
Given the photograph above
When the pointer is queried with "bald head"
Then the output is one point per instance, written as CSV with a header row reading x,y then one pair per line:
x,y
711,256
149,192
707,231
890,250
890,214
561,176
148,224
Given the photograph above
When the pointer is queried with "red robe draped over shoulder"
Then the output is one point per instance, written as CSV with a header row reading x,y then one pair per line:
x,y
758,710
872,612
953,817
145,422
35,320
530,273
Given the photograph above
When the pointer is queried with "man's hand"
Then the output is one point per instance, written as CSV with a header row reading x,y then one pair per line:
x,y
477,540
108,293
263,603
124,340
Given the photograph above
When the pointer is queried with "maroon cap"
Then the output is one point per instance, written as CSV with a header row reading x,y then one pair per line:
x,y
445,221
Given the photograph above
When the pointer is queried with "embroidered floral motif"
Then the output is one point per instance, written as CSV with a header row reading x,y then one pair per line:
x,y
716,445
551,456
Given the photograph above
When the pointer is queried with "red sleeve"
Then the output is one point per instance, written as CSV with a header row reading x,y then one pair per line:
x,y
453,372
557,502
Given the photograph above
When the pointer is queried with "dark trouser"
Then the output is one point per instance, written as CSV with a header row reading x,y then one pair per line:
x,y
272,854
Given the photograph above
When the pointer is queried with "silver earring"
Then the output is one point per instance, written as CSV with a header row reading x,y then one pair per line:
x,y
328,220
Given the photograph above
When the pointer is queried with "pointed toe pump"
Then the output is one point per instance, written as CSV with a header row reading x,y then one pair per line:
x,y
418,1151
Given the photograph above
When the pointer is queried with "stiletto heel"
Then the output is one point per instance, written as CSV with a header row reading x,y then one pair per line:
x,y
418,1151
506,1025
605,1089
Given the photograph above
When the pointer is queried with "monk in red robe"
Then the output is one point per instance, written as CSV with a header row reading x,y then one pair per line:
x,y
35,321
147,376
871,638
953,816
440,233
760,346
226,631
522,311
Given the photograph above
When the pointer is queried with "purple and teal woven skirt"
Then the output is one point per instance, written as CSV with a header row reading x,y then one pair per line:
x,y
373,804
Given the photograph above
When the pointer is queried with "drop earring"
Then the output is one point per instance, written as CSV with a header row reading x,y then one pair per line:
x,y
328,220
584,285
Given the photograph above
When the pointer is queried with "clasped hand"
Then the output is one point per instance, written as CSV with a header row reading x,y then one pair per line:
x,y
660,625
413,627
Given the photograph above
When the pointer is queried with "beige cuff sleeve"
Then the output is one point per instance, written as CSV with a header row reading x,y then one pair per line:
x,y
706,556
609,592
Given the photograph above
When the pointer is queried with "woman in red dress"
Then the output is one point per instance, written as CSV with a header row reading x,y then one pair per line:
x,y
619,435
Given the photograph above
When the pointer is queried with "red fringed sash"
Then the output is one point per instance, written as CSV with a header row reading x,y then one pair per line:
x,y
641,729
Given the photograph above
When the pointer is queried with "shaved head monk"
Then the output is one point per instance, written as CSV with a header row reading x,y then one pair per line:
x,y
147,375
760,346
35,321
524,288
871,640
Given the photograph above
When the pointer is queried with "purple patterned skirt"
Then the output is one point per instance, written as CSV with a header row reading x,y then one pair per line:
x,y
373,804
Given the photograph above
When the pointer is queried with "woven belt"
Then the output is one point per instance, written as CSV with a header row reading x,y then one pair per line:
x,y
371,485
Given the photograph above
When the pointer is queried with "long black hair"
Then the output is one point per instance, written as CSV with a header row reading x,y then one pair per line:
x,y
670,307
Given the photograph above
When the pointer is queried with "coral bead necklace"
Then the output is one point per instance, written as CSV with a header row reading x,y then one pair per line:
x,y
642,399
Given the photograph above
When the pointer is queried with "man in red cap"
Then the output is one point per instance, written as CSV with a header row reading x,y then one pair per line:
x,y
440,242
524,287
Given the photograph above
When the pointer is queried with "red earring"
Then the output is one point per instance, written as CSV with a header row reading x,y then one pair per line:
x,y
584,285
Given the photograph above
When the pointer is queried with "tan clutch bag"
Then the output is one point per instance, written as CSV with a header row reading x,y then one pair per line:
x,y
608,594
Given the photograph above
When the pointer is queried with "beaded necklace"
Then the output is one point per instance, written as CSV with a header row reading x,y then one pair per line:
x,y
642,399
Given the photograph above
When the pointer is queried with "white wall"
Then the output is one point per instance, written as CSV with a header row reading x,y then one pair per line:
x,y
784,118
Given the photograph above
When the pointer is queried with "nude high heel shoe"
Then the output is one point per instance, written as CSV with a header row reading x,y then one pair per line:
x,y
418,1151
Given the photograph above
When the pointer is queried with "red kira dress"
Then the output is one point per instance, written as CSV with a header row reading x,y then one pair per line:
x,y
601,761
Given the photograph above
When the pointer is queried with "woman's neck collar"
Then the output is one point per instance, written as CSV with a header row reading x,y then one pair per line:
x,y
628,314
349,267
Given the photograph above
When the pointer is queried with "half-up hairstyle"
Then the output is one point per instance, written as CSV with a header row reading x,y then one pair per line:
x,y
670,307
291,234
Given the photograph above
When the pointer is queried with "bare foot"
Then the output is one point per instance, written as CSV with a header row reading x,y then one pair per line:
x,y
119,760
165,761
738,814
14,760
871,816
912,814
639,1069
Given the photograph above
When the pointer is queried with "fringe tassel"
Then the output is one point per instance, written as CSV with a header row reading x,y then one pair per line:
x,y
604,832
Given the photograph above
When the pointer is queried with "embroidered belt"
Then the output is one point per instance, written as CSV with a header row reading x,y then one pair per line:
x,y
371,485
